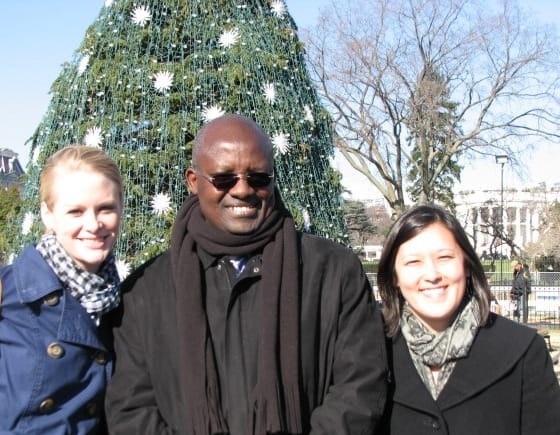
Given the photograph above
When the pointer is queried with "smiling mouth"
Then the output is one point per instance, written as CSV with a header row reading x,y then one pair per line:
x,y
94,243
244,210
433,291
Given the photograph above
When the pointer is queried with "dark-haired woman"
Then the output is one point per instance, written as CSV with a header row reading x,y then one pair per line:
x,y
457,368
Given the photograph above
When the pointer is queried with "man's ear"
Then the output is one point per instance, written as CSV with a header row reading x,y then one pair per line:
x,y
46,216
191,180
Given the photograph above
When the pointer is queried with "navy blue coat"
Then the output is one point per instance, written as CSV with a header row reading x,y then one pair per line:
x,y
54,361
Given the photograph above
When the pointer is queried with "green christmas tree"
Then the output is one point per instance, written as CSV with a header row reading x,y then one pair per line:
x,y
150,73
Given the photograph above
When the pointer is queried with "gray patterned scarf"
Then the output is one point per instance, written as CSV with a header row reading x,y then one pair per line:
x,y
429,349
98,292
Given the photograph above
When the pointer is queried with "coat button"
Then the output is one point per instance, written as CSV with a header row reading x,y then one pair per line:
x,y
51,299
46,406
91,409
100,358
435,425
55,350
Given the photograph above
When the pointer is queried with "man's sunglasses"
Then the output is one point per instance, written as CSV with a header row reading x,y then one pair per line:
x,y
257,180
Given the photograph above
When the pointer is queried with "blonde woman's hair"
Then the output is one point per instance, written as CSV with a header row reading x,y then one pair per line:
x,y
75,158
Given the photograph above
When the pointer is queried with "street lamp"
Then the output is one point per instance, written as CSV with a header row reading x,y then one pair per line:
x,y
501,160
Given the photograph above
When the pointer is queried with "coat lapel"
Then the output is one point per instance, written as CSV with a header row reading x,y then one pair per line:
x,y
75,325
410,390
493,354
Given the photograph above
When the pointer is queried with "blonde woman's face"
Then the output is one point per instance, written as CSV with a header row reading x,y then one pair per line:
x,y
85,216
430,272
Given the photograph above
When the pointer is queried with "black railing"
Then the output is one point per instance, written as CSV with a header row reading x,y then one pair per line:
x,y
543,302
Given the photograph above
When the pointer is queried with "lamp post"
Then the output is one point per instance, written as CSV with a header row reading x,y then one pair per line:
x,y
501,160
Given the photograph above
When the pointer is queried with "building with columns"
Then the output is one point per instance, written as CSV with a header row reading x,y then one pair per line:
x,y
482,212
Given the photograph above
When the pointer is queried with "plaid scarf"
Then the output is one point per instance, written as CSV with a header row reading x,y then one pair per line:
x,y
98,293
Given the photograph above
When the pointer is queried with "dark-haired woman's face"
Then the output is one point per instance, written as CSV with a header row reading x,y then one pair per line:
x,y
430,272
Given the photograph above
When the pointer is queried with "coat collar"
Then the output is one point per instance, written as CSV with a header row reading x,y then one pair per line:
x,y
497,347
34,279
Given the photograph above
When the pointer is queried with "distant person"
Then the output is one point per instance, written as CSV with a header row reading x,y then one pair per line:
x,y
456,367
246,326
520,289
55,343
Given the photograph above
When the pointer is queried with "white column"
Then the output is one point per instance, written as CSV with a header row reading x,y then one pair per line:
x,y
518,233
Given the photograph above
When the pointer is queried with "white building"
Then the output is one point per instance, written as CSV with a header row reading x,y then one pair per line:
x,y
481,213
372,252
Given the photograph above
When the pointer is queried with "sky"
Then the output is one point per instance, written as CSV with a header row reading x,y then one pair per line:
x,y
38,36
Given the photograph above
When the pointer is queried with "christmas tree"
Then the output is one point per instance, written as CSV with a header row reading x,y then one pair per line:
x,y
145,78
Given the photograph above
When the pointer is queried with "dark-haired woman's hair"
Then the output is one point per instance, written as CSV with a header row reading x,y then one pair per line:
x,y
410,224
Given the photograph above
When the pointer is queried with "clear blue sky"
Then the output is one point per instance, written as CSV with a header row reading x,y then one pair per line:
x,y
37,36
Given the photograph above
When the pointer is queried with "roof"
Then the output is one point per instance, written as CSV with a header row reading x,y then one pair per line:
x,y
10,168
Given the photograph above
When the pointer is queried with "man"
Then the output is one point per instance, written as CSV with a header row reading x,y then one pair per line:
x,y
520,290
245,326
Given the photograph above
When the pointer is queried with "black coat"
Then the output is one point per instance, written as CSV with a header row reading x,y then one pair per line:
x,y
505,386
521,283
343,351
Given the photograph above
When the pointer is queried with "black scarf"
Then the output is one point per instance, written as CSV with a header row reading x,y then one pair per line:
x,y
275,402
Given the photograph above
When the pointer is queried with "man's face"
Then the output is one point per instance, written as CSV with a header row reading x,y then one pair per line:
x,y
233,147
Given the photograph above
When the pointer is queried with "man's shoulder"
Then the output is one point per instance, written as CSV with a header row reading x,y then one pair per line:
x,y
313,241
317,247
157,268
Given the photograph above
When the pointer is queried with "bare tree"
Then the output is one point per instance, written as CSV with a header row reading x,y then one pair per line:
x,y
549,233
381,219
370,60
492,224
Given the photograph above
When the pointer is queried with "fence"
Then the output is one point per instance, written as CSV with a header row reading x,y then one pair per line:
x,y
543,302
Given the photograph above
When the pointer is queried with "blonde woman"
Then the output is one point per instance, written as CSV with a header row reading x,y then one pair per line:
x,y
55,345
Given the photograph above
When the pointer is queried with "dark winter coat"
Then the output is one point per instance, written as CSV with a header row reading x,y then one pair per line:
x,y
505,386
521,283
343,350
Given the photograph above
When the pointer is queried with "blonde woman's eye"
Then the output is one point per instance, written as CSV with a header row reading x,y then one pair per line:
x,y
109,208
